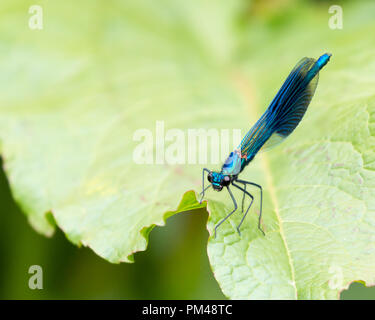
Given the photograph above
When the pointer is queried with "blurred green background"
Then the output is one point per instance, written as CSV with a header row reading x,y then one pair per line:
x,y
175,266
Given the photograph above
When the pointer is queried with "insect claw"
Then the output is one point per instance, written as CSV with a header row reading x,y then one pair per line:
x,y
239,232
260,228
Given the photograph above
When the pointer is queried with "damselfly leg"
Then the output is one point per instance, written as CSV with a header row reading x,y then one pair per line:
x,y
203,188
248,208
261,200
235,208
243,196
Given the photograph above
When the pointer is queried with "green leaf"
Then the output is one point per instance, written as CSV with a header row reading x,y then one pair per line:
x,y
319,185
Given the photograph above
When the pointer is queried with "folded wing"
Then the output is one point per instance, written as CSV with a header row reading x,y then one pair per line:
x,y
285,111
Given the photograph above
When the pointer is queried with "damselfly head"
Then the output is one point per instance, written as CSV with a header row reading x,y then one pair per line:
x,y
218,180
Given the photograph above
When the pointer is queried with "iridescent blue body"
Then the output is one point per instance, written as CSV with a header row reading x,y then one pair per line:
x,y
217,179
278,122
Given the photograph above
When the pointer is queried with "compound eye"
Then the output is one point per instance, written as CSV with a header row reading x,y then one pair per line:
x,y
209,177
